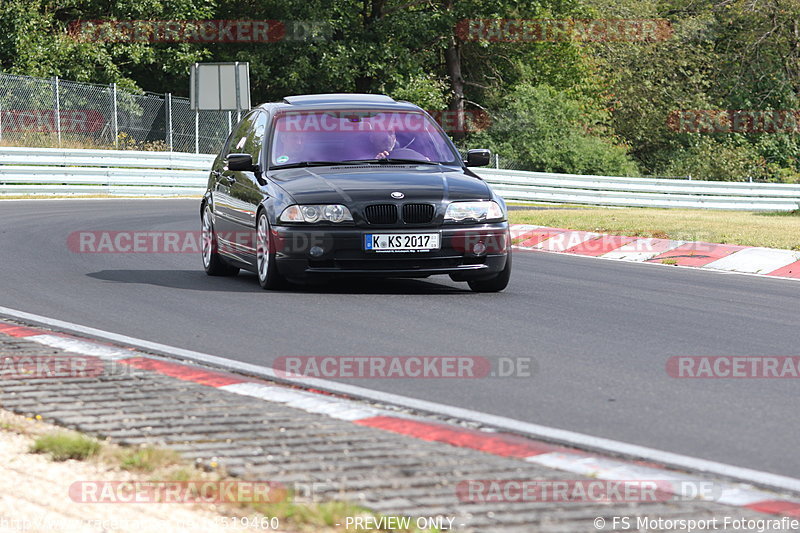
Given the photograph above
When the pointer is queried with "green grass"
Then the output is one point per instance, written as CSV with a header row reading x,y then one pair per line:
x,y
50,140
166,465
146,459
65,445
10,426
771,230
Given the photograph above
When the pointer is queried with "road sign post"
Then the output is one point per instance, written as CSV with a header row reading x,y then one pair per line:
x,y
221,87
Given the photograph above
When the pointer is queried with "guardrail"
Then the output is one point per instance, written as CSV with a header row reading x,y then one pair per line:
x,y
52,171
49,171
641,192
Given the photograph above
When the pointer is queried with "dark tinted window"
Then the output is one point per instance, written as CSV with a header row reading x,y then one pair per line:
x,y
249,135
357,134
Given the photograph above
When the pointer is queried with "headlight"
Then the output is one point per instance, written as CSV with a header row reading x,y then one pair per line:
x,y
316,213
477,211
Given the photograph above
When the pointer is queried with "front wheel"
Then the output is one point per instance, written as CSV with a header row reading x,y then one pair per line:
x,y
268,276
495,284
213,264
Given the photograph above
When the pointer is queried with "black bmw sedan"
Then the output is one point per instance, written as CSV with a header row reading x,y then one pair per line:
x,y
351,184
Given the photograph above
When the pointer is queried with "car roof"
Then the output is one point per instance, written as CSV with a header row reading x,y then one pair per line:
x,y
350,98
341,101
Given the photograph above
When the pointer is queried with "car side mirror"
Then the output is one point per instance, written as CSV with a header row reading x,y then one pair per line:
x,y
241,162
479,157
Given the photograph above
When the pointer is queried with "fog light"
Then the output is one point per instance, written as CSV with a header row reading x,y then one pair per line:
x,y
479,248
316,251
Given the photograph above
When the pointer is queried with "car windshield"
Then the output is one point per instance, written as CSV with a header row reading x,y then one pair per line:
x,y
358,135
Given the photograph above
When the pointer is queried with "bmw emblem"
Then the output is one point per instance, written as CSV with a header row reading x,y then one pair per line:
x,y
397,195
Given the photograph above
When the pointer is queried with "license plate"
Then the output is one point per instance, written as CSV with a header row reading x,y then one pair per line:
x,y
401,242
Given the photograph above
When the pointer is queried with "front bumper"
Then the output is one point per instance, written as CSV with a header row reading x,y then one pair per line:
x,y
340,251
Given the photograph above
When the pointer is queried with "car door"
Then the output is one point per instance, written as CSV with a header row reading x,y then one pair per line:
x,y
226,205
246,193
218,190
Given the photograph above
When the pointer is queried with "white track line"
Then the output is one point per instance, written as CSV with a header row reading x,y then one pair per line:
x,y
715,272
307,401
570,438
756,260
84,347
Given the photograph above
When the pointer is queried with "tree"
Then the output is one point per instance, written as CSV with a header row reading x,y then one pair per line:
x,y
544,129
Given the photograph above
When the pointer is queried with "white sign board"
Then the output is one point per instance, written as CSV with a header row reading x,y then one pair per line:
x,y
220,86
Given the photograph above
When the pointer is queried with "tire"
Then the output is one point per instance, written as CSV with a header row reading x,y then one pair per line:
x,y
268,276
213,264
495,284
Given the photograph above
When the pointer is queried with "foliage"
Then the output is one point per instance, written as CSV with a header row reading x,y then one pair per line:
x,y
552,132
576,106
66,445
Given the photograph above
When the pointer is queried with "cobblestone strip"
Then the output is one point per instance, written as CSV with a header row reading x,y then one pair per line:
x,y
320,456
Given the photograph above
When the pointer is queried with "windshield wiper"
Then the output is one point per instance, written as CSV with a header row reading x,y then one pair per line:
x,y
393,160
302,164
414,161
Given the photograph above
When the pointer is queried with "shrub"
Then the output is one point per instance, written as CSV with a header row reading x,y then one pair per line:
x,y
66,445
542,129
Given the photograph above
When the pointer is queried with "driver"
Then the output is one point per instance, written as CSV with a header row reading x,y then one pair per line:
x,y
382,143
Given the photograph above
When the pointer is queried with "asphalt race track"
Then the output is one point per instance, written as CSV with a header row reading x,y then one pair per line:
x,y
599,331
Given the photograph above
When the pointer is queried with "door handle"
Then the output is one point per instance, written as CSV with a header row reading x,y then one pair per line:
x,y
230,180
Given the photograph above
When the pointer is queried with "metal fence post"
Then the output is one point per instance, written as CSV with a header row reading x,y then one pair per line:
x,y
1,121
57,109
238,93
197,131
497,161
229,123
169,119
116,121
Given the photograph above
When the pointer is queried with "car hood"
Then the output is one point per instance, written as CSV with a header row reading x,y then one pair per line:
x,y
373,183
